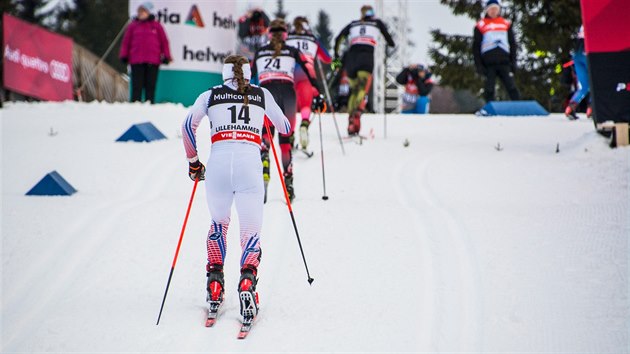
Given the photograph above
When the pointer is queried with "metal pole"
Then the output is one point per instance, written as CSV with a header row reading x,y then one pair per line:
x,y
111,46
179,244
330,104
286,196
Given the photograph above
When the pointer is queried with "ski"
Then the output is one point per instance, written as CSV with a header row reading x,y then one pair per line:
x,y
213,312
249,308
265,197
246,327
357,139
212,318
266,177
308,154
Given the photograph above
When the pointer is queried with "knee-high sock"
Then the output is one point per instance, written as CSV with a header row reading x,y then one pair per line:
x,y
217,245
286,141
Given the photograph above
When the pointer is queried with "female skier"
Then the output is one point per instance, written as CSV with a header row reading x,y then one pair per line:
x,y
236,111
303,40
274,65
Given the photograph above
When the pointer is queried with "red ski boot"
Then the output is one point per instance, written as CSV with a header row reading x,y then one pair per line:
x,y
354,123
215,292
249,298
570,111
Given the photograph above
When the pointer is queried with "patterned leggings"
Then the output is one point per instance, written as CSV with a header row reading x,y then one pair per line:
x,y
233,176
359,87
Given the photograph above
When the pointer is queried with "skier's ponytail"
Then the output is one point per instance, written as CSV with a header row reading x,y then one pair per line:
x,y
243,86
300,24
278,31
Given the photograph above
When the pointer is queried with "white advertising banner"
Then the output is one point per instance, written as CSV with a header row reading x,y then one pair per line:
x,y
201,35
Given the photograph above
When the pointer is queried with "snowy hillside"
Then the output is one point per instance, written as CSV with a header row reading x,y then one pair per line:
x,y
477,237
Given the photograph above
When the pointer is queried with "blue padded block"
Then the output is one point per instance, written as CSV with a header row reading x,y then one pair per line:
x,y
512,108
142,132
52,184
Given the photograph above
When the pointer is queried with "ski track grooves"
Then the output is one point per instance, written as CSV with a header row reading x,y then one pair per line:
x,y
453,297
77,249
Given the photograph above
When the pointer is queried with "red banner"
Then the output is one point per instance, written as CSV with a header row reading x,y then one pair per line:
x,y
37,63
607,38
606,25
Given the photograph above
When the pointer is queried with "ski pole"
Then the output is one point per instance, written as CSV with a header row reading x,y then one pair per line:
x,y
385,92
286,197
102,58
330,104
321,144
181,237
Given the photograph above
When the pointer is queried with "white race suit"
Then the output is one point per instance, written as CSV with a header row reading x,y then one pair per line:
x,y
234,168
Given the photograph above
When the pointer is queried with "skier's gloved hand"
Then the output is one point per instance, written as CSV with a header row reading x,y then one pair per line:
x,y
336,63
319,104
263,146
196,170
482,70
124,60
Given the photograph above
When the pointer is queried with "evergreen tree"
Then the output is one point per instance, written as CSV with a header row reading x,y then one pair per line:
x,y
325,35
322,29
89,28
7,6
27,10
82,20
280,13
545,31
47,13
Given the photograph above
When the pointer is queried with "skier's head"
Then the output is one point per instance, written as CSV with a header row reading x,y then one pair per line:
x,y
257,15
366,12
493,8
236,68
144,10
417,67
278,32
300,25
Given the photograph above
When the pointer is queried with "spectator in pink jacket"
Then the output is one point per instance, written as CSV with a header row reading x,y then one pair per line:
x,y
144,47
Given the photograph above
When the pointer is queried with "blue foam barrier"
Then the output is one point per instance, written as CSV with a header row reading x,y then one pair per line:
x,y
142,132
52,184
512,108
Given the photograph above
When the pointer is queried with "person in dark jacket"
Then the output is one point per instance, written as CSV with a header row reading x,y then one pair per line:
x,y
362,36
252,32
274,65
494,49
144,47
418,84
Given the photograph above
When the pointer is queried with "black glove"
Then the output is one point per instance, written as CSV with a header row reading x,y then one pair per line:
x,y
482,70
166,60
513,68
124,60
319,104
196,170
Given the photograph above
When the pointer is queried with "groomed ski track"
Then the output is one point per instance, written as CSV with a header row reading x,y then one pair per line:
x,y
448,245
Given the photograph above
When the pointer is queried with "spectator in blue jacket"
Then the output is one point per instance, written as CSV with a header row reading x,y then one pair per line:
x,y
418,84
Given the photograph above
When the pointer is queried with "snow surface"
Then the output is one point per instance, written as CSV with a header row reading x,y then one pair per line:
x,y
447,245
